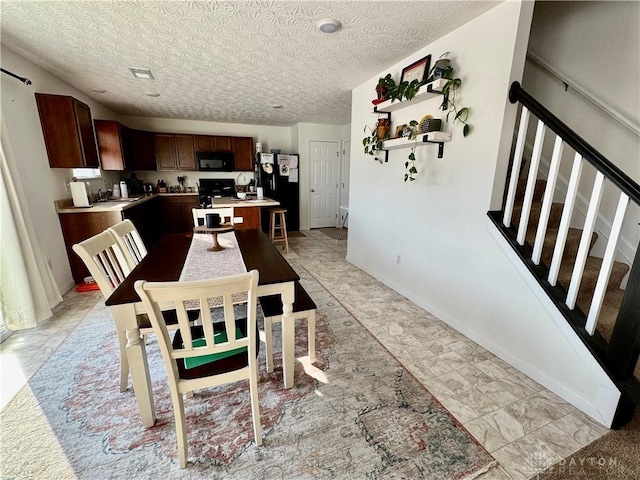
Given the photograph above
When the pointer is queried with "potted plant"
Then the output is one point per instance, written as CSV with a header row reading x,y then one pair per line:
x,y
449,100
386,85
377,134
387,89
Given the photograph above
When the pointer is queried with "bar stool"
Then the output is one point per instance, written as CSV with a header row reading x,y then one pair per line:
x,y
281,227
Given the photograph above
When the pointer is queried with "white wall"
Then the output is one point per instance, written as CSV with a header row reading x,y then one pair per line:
x,y
449,262
597,46
42,185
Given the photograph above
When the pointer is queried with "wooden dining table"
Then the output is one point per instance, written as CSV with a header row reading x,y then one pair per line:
x,y
164,263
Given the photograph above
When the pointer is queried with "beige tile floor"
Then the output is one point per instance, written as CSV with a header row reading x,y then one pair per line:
x,y
524,426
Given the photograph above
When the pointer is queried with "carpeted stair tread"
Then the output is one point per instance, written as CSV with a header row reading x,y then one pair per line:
x,y
555,215
590,275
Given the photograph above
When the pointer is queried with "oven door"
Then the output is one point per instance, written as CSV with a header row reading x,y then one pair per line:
x,y
215,161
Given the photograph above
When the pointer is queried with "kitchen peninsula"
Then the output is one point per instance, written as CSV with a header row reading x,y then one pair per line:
x,y
153,215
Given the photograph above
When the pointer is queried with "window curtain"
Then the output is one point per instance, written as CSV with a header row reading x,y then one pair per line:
x,y
28,290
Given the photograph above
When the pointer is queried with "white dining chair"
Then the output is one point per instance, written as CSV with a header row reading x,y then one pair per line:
x,y
226,215
130,242
209,355
108,265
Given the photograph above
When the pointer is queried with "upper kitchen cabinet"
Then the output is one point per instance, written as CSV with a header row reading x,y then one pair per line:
x,y
175,152
68,131
213,143
242,148
143,150
114,145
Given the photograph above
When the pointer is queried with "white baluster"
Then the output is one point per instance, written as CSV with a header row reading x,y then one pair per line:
x,y
563,229
547,201
531,183
585,240
515,169
607,264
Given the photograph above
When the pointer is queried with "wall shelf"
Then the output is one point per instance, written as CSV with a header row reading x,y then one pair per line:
x,y
426,92
431,137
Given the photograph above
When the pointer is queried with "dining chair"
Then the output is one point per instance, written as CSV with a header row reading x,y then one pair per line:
x,y
199,214
130,242
211,354
108,265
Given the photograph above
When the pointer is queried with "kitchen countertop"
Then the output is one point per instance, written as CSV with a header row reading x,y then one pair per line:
x,y
66,205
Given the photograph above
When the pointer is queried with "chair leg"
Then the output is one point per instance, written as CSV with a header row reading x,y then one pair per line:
x,y
283,226
268,340
272,224
189,394
181,428
255,406
311,333
124,362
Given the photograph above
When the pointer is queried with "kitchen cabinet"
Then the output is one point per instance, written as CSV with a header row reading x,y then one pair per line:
x,y
143,151
176,213
68,131
242,148
147,218
77,227
114,145
175,152
213,143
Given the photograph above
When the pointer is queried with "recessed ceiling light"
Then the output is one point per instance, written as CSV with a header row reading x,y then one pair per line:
x,y
276,106
98,90
141,73
150,94
329,25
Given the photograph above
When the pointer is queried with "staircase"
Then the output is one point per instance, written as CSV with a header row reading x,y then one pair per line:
x,y
613,295
558,249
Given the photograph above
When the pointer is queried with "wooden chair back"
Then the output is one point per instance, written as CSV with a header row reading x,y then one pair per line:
x,y
226,215
105,260
130,242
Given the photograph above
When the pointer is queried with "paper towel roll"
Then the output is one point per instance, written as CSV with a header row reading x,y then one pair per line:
x,y
79,194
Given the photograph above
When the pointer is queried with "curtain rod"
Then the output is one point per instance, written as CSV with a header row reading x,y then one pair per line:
x,y
24,80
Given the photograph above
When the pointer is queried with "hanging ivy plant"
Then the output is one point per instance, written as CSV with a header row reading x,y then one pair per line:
x,y
410,164
449,91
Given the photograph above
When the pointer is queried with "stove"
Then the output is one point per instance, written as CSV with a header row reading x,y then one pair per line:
x,y
215,188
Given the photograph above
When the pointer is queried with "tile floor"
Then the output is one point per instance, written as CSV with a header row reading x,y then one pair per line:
x,y
524,426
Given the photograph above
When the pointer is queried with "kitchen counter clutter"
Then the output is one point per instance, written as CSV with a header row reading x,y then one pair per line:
x,y
66,205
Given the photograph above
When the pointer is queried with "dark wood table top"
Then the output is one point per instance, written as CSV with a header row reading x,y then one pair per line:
x,y
166,258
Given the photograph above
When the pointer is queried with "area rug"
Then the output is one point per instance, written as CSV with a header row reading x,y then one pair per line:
x,y
355,413
334,232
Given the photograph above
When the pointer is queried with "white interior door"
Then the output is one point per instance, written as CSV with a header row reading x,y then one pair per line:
x,y
344,181
323,196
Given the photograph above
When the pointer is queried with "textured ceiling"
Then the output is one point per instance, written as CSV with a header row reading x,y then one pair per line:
x,y
226,61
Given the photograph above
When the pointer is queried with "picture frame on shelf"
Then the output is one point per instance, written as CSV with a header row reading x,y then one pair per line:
x,y
418,70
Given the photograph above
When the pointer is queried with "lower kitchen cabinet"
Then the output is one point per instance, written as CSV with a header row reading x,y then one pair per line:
x,y
250,217
77,227
176,213
148,220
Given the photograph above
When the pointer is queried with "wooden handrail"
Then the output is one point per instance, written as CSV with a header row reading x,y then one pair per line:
x,y
575,141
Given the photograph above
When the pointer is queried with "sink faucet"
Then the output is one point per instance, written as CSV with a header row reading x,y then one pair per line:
x,y
101,196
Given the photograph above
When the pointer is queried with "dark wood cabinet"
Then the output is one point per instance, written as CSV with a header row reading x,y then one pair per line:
x,y
147,218
250,218
243,153
185,152
114,145
213,143
176,213
175,152
143,150
68,131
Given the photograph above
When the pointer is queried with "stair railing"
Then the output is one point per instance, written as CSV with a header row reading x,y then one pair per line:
x,y
621,353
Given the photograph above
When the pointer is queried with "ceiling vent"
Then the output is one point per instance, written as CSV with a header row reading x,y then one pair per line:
x,y
141,73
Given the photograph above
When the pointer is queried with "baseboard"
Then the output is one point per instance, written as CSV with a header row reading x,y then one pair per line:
x,y
67,287
602,410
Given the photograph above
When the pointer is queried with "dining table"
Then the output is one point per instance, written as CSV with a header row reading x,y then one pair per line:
x,y
164,263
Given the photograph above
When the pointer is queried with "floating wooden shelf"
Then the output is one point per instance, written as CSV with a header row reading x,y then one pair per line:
x,y
430,90
431,137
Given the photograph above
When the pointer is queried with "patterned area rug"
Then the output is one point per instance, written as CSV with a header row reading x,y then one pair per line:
x,y
355,413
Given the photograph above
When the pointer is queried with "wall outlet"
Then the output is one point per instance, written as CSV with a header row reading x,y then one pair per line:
x,y
397,259
238,219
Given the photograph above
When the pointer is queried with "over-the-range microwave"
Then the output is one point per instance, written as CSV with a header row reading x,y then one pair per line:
x,y
215,161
